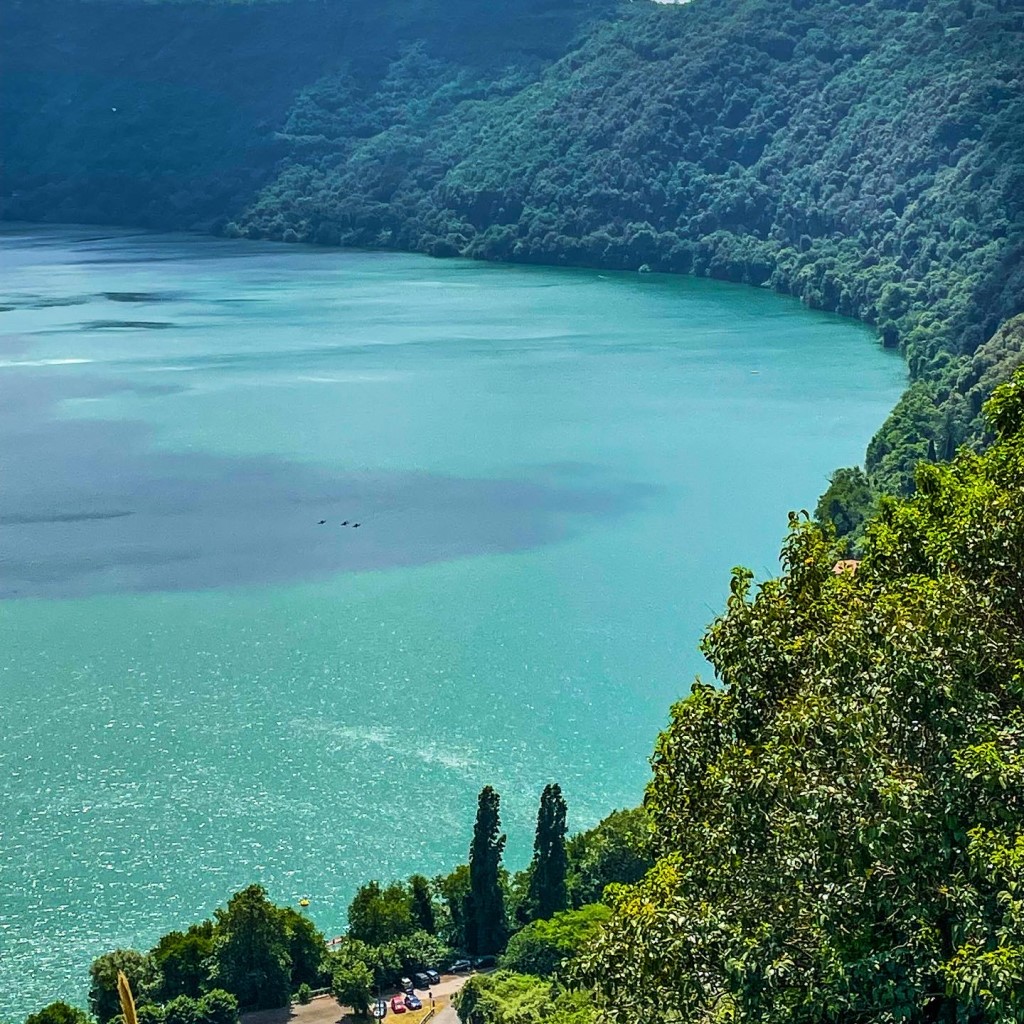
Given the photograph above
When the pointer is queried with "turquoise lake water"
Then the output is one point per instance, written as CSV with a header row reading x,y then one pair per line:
x,y
553,472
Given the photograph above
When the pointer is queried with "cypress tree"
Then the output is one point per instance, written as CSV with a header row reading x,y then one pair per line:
x,y
485,926
548,893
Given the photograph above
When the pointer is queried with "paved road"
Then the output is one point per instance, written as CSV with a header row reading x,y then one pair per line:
x,y
325,1010
446,1016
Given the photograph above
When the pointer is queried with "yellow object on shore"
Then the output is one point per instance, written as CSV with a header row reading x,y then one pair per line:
x,y
127,1000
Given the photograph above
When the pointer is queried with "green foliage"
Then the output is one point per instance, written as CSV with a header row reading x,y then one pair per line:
x,y
453,889
502,997
419,950
215,1007
422,904
548,893
183,959
255,952
485,906
840,828
543,947
306,948
377,915
251,951
139,968
58,1013
618,849
392,960
506,998
518,901
218,1007
199,129
352,985
847,504
304,994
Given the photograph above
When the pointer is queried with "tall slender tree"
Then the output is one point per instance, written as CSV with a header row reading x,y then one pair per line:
x,y
485,927
548,893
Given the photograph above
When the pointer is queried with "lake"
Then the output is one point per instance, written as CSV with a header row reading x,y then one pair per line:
x,y
553,472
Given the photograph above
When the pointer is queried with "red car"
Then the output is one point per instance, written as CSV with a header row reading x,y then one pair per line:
x,y
398,1004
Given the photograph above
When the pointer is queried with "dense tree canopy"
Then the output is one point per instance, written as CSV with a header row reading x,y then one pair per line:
x,y
840,826
183,959
139,968
377,915
253,954
305,949
507,998
252,957
543,947
617,849
215,1007
58,1013
422,899
352,985
454,891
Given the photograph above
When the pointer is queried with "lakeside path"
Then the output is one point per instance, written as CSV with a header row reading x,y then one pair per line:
x,y
325,1009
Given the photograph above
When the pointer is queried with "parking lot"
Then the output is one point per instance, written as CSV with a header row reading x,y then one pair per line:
x,y
325,1009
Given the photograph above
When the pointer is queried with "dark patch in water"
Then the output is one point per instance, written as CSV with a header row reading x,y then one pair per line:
x,y
42,301
59,517
139,296
203,521
118,325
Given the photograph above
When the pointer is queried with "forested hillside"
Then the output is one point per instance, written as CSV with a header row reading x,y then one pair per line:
x,y
167,113
865,156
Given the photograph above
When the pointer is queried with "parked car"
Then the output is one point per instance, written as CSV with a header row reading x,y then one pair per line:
x,y
422,981
460,966
412,1002
405,984
432,976
483,962
398,1004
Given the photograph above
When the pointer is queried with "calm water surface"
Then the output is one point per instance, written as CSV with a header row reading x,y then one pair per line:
x,y
553,472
